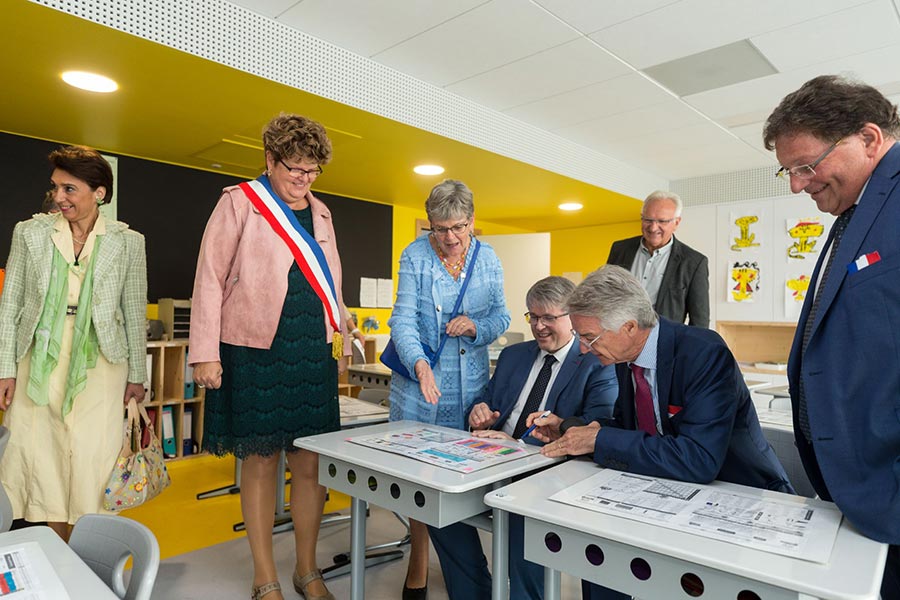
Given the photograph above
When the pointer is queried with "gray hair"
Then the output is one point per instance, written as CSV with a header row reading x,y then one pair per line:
x,y
613,295
549,291
450,199
664,195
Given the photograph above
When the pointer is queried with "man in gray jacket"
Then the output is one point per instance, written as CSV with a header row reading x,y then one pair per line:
x,y
675,275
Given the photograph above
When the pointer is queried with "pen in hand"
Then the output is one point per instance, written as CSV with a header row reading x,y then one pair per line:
x,y
528,431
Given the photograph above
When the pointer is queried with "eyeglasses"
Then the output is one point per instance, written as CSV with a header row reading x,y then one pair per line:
x,y
583,341
456,229
311,174
548,320
657,221
806,171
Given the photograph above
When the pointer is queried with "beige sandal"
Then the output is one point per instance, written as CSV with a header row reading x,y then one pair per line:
x,y
258,591
300,584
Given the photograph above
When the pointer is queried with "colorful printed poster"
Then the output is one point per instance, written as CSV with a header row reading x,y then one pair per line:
x,y
458,452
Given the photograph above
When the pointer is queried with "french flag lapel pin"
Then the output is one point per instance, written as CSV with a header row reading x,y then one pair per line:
x,y
866,260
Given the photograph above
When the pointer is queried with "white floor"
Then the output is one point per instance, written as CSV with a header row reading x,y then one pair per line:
x,y
224,572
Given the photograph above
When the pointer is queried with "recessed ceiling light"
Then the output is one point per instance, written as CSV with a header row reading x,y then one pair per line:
x,y
90,81
216,165
428,169
571,206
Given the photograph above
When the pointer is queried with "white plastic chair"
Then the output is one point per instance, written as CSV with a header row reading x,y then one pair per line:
x,y
105,542
6,511
374,395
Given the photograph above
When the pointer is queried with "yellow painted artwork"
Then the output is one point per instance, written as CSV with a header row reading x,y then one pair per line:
x,y
745,238
798,288
806,234
744,281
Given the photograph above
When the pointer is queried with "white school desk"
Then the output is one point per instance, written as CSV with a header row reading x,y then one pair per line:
x,y
79,580
426,493
370,375
579,536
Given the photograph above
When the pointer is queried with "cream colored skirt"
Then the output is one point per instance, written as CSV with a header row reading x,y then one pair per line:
x,y
56,469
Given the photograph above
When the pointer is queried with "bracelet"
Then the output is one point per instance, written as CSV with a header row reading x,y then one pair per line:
x,y
355,331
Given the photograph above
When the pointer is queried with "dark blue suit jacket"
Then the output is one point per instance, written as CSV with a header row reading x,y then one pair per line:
x,y
709,423
851,368
583,386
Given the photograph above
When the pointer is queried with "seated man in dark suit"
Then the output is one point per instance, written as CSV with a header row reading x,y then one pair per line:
x,y
675,275
683,411
549,373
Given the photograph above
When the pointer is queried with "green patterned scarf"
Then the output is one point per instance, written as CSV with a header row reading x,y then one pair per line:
x,y
48,335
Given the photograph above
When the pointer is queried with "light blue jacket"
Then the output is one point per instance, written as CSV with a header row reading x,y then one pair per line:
x,y
420,312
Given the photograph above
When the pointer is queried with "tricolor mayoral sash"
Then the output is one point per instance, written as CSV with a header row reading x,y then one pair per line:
x,y
303,247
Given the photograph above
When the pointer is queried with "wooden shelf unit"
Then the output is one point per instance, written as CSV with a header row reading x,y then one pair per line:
x,y
167,389
344,386
753,342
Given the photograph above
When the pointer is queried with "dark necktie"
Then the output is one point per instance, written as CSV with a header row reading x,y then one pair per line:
x,y
840,225
533,402
643,401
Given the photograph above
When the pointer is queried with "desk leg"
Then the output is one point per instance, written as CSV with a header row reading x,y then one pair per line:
x,y
552,581
357,549
500,558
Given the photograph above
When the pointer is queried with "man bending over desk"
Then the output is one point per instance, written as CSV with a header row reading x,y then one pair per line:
x,y
683,411
549,373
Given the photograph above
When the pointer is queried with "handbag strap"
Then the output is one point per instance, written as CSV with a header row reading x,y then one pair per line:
x,y
132,423
458,305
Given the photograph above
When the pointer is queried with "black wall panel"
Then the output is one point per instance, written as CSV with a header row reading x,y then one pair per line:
x,y
170,206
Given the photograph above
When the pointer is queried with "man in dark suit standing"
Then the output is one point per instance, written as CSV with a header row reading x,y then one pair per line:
x,y
837,141
549,373
675,275
683,410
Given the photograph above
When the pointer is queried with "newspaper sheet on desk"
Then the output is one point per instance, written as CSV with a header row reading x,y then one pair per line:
x,y
455,451
777,526
26,574
351,407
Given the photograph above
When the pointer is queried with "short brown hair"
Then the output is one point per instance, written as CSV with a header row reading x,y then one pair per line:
x,y
85,164
294,136
831,107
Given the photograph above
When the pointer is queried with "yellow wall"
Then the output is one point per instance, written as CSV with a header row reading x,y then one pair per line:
x,y
583,250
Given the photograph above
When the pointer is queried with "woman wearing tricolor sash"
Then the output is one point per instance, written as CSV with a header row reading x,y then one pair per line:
x,y
266,340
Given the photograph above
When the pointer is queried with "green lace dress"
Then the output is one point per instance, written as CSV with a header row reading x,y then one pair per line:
x,y
270,397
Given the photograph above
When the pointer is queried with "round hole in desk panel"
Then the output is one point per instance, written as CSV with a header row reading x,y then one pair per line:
x,y
419,498
748,595
594,555
395,491
553,542
373,483
351,476
640,568
332,470
692,585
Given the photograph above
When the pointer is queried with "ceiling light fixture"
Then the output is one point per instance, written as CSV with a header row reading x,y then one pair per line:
x,y
428,169
91,82
570,206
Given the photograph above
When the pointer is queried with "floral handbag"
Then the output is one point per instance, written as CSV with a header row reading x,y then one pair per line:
x,y
140,473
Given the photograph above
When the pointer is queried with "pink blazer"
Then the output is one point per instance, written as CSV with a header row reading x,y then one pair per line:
x,y
241,279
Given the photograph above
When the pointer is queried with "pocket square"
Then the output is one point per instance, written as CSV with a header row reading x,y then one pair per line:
x,y
674,410
864,261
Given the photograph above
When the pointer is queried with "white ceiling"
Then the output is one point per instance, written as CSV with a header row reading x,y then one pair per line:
x,y
574,67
